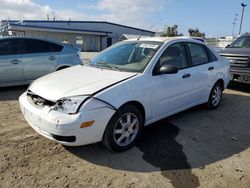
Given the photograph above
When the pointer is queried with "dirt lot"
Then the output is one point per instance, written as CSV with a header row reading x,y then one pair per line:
x,y
196,148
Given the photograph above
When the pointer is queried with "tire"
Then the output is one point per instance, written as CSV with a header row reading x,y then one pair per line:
x,y
215,96
123,129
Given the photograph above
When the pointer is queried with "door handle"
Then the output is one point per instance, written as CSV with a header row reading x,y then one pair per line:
x,y
186,75
210,68
52,58
15,61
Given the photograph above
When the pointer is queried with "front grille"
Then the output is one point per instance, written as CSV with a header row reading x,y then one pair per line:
x,y
39,101
237,61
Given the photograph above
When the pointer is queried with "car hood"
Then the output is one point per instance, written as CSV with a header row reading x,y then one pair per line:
x,y
235,51
77,80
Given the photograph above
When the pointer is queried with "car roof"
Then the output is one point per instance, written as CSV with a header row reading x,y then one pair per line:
x,y
35,38
166,39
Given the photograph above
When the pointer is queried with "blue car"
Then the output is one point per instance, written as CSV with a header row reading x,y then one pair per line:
x,y
23,59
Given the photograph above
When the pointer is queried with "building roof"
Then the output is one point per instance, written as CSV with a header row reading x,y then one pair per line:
x,y
41,28
28,22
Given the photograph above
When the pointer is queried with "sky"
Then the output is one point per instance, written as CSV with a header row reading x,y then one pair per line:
x,y
214,17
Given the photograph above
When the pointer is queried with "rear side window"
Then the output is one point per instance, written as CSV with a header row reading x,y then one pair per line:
x,y
198,54
10,47
211,55
39,46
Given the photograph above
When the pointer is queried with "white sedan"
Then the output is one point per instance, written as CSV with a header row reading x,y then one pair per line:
x,y
127,86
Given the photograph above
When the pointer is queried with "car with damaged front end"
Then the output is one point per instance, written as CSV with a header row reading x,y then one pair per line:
x,y
127,86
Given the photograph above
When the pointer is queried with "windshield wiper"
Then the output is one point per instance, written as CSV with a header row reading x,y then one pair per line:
x,y
105,64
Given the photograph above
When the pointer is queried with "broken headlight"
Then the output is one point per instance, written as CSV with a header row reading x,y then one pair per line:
x,y
69,105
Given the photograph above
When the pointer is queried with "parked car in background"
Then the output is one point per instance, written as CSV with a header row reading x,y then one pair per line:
x,y
238,54
25,59
127,86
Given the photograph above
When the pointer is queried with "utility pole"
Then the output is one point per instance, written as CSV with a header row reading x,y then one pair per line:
x,y
243,7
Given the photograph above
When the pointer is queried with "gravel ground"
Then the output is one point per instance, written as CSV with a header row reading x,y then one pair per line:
x,y
195,148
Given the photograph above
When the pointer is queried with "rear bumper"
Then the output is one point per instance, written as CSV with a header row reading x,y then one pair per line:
x,y
240,74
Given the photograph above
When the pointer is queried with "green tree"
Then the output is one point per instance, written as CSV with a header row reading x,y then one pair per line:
x,y
195,33
171,31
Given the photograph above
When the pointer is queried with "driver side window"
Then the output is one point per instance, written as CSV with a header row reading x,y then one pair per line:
x,y
174,55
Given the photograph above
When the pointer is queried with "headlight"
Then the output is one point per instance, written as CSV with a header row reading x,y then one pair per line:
x,y
69,105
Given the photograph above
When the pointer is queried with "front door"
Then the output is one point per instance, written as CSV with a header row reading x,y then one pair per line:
x,y
171,92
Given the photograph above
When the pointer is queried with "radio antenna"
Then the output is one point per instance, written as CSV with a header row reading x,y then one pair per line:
x,y
156,23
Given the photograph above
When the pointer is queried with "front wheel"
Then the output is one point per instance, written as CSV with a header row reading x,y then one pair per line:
x,y
215,96
123,129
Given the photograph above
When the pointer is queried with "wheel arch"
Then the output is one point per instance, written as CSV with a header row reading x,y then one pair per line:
x,y
108,137
221,81
139,106
62,67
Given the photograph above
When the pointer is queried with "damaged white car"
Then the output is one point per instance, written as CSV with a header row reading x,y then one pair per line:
x,y
127,86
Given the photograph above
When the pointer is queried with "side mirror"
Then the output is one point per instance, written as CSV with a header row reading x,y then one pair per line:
x,y
167,69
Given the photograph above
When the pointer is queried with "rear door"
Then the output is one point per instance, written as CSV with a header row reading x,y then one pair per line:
x,y
10,61
203,71
40,58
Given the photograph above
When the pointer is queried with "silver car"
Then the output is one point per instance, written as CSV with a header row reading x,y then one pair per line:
x,y
25,59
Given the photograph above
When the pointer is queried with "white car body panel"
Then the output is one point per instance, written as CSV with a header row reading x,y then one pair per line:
x,y
160,96
47,122
172,91
78,79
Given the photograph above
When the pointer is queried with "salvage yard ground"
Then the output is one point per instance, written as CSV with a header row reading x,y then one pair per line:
x,y
195,148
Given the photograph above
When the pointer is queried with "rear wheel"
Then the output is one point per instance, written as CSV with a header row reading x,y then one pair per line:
x,y
215,96
123,129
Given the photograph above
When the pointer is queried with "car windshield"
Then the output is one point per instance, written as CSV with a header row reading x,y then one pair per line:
x,y
241,42
132,56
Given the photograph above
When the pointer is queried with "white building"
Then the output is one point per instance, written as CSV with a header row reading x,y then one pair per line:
x,y
87,35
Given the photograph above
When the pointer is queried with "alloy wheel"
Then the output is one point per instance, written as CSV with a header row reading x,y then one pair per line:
x,y
216,95
126,129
